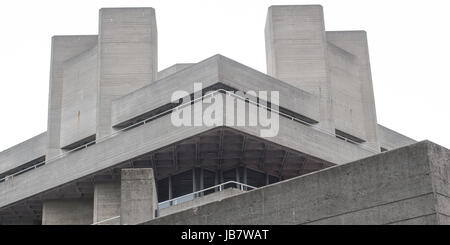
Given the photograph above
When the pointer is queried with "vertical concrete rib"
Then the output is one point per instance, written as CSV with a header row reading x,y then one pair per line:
x,y
63,48
127,57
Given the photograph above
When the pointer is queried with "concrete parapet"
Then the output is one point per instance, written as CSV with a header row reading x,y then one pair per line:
x,y
409,185
389,139
173,69
22,153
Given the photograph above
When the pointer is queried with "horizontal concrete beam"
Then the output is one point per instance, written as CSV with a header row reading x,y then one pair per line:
x,y
212,71
389,139
24,152
173,69
160,133
409,185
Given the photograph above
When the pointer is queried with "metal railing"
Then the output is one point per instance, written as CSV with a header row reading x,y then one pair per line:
x,y
106,220
144,121
191,196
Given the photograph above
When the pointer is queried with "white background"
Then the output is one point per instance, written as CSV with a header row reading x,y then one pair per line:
x,y
408,42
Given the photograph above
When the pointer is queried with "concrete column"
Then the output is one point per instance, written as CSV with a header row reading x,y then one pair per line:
x,y
107,202
63,48
67,212
352,90
127,57
296,53
138,200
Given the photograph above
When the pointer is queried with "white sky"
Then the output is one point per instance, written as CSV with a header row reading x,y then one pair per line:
x,y
409,43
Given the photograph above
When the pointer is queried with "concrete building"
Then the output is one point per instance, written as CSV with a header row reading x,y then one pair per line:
x,y
112,153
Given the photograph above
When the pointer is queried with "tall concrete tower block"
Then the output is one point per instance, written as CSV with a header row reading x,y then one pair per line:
x,y
351,85
127,57
296,53
63,48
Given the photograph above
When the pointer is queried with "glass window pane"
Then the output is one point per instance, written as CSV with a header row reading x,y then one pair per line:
x,y
255,178
163,189
182,184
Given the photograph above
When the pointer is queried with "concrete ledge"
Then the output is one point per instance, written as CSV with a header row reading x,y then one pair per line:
x,y
212,71
390,139
409,185
155,135
24,152
173,69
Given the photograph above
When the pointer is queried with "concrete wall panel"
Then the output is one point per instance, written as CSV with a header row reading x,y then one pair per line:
x,y
107,202
63,48
138,197
351,82
389,188
79,99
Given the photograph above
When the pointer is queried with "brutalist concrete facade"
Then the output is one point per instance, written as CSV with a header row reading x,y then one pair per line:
x,y
112,154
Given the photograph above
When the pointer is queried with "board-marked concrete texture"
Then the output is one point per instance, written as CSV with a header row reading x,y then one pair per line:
x,y
63,48
127,57
138,197
409,185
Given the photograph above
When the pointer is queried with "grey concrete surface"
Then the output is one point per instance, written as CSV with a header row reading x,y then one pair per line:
x,y
106,202
389,139
99,84
128,57
63,48
79,97
138,198
24,152
211,72
296,52
173,69
409,185
67,212
157,134
351,85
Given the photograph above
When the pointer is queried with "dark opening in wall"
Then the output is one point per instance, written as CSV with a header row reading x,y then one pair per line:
x,y
348,137
200,179
182,184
